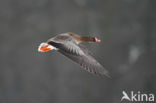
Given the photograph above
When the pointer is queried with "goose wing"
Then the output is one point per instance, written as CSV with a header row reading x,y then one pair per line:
x,y
80,55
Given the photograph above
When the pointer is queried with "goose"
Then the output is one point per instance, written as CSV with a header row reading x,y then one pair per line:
x,y
69,44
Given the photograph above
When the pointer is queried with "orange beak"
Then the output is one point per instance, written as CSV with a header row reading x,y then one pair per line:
x,y
45,48
97,40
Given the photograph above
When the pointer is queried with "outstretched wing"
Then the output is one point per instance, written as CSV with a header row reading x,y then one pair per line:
x,y
80,55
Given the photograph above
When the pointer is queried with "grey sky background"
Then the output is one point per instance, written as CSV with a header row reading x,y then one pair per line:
x,y
127,29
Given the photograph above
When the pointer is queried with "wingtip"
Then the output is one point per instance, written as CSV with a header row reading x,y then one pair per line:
x,y
107,74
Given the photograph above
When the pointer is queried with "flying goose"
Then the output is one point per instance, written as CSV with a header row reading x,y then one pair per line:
x,y
69,45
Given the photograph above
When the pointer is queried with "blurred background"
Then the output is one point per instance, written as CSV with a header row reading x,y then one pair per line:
x,y
127,29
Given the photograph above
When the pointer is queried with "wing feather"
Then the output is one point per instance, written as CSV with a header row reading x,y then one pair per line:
x,y
87,62
80,55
